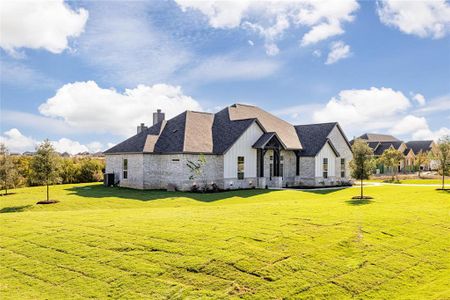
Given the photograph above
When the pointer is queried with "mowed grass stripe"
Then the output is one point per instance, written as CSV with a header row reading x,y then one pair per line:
x,y
251,244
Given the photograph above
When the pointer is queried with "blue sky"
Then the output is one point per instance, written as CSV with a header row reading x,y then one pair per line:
x,y
373,66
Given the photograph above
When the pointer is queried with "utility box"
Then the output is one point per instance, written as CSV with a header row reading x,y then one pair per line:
x,y
108,179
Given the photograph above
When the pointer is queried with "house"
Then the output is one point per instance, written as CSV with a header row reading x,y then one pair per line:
x,y
381,142
243,146
417,147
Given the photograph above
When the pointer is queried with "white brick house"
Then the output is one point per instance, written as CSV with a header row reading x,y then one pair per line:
x,y
244,147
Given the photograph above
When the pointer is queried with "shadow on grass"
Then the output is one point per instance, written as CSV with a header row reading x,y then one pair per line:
x,y
9,194
324,191
358,202
100,191
13,209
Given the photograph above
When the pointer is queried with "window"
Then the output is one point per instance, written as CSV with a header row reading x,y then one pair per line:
x,y
240,167
325,168
342,167
125,168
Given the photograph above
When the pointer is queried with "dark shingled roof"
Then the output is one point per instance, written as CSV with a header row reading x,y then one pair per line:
x,y
226,132
418,146
376,137
383,146
313,137
263,140
171,139
135,143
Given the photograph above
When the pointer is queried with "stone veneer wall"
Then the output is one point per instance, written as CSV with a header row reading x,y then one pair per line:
x,y
154,171
162,170
345,152
114,164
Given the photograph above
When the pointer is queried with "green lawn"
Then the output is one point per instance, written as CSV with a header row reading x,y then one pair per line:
x,y
108,242
417,181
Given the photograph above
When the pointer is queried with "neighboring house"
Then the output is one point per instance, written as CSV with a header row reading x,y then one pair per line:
x,y
381,142
244,147
416,147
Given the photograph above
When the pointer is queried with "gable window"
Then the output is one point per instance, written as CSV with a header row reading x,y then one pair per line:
x,y
325,168
240,167
125,168
342,167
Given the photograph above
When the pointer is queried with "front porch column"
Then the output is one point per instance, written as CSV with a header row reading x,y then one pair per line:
x,y
276,162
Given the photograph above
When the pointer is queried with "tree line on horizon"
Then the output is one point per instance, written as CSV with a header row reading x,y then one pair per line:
x,y
46,166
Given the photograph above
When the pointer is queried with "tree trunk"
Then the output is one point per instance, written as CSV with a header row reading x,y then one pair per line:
x,y
6,188
362,180
47,190
443,179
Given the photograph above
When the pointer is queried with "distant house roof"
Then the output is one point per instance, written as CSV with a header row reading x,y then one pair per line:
x,y
376,137
314,137
417,146
383,146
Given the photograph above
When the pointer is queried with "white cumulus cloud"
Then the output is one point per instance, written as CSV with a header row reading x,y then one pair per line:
x,y
339,50
86,106
424,18
18,143
39,24
409,124
420,99
271,19
363,108
418,129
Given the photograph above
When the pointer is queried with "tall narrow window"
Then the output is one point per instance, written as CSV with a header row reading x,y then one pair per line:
x,y
281,165
125,168
240,167
342,167
325,168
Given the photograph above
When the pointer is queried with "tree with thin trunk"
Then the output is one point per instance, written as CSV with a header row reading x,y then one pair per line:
x,y
421,159
391,159
44,165
8,172
441,154
362,164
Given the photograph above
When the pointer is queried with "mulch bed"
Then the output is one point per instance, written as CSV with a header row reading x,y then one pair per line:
x,y
7,194
47,202
363,198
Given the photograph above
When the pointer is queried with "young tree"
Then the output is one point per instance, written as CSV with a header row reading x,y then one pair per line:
x,y
8,172
391,158
196,170
420,159
44,165
441,154
362,164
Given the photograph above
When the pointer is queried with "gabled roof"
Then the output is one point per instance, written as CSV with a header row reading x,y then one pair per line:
x,y
417,146
314,137
383,146
333,148
285,131
188,132
225,132
376,137
269,138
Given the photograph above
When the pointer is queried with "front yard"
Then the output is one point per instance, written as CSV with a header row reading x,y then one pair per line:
x,y
108,242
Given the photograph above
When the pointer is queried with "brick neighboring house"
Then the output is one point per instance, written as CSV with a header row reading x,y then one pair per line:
x,y
381,142
244,147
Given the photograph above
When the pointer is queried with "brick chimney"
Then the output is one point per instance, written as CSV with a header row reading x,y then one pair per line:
x,y
141,128
158,116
